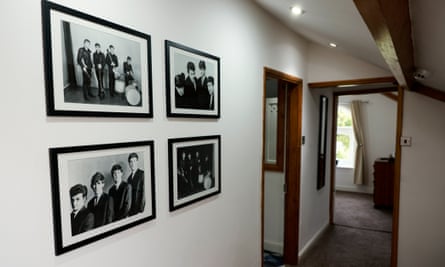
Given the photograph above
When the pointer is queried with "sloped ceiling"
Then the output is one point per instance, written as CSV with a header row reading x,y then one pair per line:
x,y
338,21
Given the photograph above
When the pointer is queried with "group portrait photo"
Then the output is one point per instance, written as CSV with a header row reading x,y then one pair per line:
x,y
102,190
95,65
194,165
193,82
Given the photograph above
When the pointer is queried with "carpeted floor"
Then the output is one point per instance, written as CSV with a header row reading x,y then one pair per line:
x,y
357,210
361,236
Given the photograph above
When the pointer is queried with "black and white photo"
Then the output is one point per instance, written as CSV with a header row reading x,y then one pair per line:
x,y
99,190
193,82
94,67
194,169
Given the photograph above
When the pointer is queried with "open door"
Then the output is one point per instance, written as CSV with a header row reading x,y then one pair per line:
x,y
283,158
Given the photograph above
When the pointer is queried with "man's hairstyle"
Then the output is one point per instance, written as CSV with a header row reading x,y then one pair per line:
x,y
210,80
98,176
97,45
86,40
111,46
133,155
115,168
202,65
180,80
78,189
128,58
190,66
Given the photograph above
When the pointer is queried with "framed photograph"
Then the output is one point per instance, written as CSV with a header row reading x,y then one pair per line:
x,y
193,82
100,190
194,169
94,67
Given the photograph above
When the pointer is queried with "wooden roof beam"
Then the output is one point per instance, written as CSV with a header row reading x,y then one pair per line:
x,y
390,25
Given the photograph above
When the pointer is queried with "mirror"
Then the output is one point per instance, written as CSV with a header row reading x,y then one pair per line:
x,y
322,130
273,124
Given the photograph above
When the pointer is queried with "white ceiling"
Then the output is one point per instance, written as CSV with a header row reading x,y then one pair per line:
x,y
338,21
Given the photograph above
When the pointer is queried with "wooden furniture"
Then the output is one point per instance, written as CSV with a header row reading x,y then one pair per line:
x,y
384,183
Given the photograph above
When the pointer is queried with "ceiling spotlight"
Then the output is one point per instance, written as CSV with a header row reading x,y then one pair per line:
x,y
332,44
296,10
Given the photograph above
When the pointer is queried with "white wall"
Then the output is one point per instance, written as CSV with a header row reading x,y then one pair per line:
x,y
221,231
422,186
328,64
379,117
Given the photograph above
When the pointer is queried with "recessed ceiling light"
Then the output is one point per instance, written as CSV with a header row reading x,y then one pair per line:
x,y
332,44
296,10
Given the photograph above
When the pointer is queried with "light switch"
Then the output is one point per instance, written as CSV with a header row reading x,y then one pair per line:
x,y
405,141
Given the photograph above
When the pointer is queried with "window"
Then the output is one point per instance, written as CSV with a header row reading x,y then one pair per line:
x,y
346,144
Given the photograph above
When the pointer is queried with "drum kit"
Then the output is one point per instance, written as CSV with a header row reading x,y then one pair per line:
x,y
131,91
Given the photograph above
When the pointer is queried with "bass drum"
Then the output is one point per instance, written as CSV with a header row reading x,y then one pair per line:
x,y
132,95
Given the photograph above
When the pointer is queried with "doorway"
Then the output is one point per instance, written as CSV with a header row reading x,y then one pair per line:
x,y
282,105
372,85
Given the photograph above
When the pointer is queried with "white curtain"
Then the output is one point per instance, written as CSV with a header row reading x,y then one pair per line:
x,y
359,168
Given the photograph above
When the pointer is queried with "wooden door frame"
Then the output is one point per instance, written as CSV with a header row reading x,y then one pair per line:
x,y
292,164
398,158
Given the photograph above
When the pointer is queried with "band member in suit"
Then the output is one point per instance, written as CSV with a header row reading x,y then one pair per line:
x,y
128,71
179,91
84,61
184,183
121,194
112,63
190,93
201,87
82,219
210,101
101,205
99,65
136,180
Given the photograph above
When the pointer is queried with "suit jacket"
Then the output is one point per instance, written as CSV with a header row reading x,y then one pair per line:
x,y
103,211
202,93
99,58
137,192
121,200
190,94
82,222
84,57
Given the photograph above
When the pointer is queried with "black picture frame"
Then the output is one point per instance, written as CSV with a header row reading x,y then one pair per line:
x,y
78,81
322,140
75,169
194,169
185,98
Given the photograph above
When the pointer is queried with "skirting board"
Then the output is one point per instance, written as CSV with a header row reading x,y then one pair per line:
x,y
362,189
273,246
312,241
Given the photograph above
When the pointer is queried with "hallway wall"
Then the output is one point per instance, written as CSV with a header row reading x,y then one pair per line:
x,y
221,231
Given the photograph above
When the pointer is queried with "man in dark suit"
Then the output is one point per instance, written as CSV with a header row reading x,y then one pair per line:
x,y
84,61
180,100
82,219
121,194
210,101
112,63
101,205
128,71
136,180
99,65
201,87
190,93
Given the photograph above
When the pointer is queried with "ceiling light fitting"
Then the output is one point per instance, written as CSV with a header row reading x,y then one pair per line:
x,y
296,10
332,44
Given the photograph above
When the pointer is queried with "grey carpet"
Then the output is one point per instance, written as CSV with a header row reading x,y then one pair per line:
x,y
349,247
357,210
360,236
